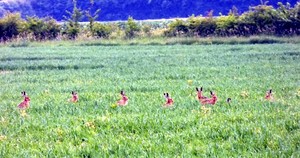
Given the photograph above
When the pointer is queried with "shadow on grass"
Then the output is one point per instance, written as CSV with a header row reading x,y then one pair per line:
x,y
49,67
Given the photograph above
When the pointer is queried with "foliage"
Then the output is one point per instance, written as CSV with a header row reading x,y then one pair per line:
x,y
177,28
42,29
226,25
92,16
10,26
147,30
101,30
207,27
73,27
258,20
264,17
193,24
132,28
140,9
261,19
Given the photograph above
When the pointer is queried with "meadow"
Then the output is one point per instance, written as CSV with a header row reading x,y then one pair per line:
x,y
53,127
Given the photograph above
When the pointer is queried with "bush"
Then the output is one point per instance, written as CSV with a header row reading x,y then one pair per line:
x,y
72,31
177,28
207,27
226,25
193,24
101,30
246,28
132,28
261,19
11,25
147,30
289,21
42,29
264,17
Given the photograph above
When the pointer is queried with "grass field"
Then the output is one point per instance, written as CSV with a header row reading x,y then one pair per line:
x,y
53,127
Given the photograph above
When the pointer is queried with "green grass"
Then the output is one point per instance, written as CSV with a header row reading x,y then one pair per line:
x,y
249,127
153,41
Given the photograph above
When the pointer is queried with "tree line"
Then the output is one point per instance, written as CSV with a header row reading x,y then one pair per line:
x,y
139,9
263,19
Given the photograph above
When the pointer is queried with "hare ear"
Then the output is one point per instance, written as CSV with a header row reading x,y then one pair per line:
x,y
228,100
201,88
122,92
72,92
167,94
211,93
270,91
164,94
24,92
197,89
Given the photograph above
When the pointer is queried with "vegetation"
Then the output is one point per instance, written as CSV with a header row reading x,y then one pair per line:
x,y
10,26
239,56
73,27
249,127
139,9
101,30
131,28
42,29
259,20
92,16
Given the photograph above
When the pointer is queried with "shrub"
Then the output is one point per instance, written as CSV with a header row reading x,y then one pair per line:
x,y
132,28
296,18
244,28
10,26
72,31
207,27
226,25
147,30
193,24
263,16
177,28
46,28
261,19
101,30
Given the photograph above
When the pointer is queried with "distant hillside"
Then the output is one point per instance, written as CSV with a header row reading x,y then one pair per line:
x,y
138,9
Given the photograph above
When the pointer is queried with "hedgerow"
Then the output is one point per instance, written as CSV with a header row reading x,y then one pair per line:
x,y
258,20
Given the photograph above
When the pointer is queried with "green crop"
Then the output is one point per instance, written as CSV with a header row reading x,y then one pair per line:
x,y
53,127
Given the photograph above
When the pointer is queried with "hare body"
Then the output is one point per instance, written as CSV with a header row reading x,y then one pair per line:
x,y
269,95
169,100
200,96
124,100
74,98
211,100
25,103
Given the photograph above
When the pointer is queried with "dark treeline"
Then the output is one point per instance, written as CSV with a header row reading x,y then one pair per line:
x,y
261,19
283,20
139,9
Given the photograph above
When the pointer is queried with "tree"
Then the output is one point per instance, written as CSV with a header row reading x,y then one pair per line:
x,y
131,28
73,26
10,25
92,17
41,29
